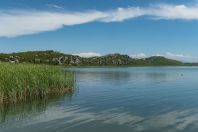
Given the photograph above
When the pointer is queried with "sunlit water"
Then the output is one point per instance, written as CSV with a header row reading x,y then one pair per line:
x,y
149,99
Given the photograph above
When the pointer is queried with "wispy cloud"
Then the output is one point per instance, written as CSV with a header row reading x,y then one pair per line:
x,y
174,12
30,22
23,22
88,54
54,6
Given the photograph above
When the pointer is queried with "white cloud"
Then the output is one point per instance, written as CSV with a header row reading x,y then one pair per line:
x,y
138,56
88,54
122,14
174,12
23,22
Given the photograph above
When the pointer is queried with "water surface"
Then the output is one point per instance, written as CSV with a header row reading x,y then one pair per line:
x,y
143,99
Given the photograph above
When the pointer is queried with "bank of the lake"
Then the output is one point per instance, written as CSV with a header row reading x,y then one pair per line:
x,y
24,82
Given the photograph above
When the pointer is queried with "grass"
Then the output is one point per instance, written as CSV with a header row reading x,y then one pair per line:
x,y
24,82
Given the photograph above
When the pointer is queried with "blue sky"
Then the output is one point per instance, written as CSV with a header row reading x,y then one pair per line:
x,y
139,28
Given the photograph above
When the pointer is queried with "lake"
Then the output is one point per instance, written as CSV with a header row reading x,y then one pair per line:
x,y
142,99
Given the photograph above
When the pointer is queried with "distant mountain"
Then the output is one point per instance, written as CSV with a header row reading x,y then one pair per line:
x,y
57,58
159,60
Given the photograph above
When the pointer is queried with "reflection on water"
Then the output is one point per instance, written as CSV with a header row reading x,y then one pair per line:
x,y
26,112
115,99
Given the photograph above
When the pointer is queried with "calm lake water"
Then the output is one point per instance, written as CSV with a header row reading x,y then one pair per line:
x,y
148,99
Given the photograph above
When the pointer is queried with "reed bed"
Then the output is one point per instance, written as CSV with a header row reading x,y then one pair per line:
x,y
24,82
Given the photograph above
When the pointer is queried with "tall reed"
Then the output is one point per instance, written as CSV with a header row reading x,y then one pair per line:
x,y
23,82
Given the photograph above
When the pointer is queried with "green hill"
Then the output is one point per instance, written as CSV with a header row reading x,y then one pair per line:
x,y
57,58
159,60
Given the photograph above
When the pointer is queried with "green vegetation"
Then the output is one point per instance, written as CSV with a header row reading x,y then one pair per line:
x,y
24,82
57,58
